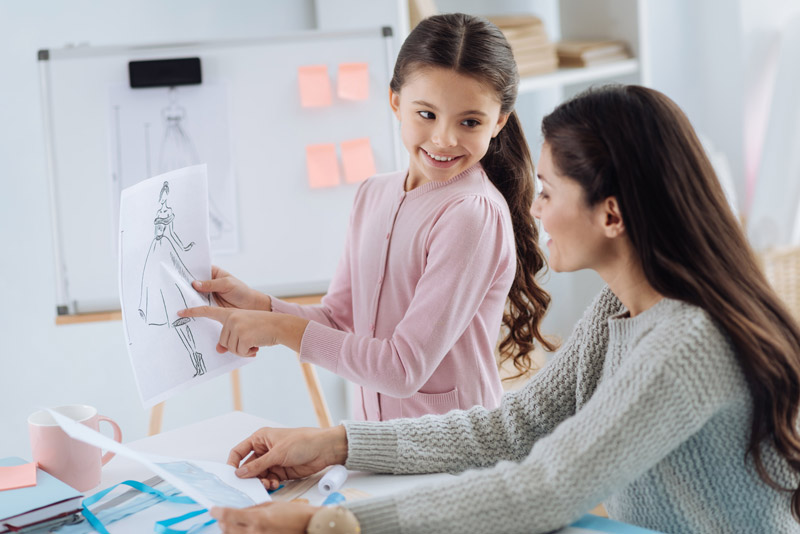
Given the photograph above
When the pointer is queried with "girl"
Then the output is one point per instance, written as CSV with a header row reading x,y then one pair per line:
x,y
674,402
414,309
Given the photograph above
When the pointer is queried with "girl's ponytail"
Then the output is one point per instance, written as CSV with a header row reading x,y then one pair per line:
x,y
509,166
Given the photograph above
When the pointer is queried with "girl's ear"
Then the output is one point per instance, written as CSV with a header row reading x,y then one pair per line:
x,y
501,121
612,223
394,101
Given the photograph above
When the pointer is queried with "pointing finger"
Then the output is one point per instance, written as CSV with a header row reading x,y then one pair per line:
x,y
212,312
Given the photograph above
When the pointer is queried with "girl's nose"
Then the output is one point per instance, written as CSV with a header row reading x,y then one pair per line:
x,y
444,137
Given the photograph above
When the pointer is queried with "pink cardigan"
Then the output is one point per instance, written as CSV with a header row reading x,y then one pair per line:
x,y
414,309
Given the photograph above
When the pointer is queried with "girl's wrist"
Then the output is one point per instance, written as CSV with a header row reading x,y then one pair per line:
x,y
263,301
290,330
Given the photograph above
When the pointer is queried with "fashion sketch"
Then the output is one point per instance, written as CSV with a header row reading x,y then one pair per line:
x,y
177,151
159,302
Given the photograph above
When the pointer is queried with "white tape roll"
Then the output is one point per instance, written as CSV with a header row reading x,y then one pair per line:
x,y
333,479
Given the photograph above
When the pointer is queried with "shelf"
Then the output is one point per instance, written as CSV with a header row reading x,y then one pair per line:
x,y
578,75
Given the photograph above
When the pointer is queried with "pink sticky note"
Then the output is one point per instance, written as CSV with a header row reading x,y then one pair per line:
x,y
315,86
17,476
353,81
357,160
323,168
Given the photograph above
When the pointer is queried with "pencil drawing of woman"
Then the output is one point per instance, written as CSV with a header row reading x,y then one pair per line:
x,y
159,300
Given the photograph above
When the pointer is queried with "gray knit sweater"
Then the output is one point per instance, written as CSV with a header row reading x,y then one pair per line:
x,y
649,415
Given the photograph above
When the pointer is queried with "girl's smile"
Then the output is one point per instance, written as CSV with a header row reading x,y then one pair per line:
x,y
440,161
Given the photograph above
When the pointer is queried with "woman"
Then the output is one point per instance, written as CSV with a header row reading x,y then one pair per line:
x,y
674,402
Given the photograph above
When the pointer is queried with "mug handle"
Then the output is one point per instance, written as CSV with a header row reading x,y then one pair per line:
x,y
117,436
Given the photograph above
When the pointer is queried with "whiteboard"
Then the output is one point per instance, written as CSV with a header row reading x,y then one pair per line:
x,y
290,235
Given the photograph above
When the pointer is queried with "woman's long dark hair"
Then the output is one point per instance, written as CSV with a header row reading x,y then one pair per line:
x,y
475,47
636,144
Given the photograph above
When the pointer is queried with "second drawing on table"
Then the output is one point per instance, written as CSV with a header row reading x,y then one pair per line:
x,y
159,299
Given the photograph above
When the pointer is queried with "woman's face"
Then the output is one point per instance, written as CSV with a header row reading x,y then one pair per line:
x,y
577,240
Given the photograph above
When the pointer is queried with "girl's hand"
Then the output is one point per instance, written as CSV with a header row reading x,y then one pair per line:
x,y
244,331
277,454
277,517
230,292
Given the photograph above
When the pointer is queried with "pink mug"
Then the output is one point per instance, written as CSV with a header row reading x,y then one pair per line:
x,y
69,460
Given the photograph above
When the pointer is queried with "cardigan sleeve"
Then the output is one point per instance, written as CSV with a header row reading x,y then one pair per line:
x,y
468,249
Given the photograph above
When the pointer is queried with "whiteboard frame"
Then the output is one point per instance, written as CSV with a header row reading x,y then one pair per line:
x,y
64,304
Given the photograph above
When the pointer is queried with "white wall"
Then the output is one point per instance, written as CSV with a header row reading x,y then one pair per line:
x,y
45,365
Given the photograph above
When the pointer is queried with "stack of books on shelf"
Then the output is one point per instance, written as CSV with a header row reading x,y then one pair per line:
x,y
574,53
533,50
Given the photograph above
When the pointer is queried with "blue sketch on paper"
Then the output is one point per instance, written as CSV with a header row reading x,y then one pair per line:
x,y
159,303
217,491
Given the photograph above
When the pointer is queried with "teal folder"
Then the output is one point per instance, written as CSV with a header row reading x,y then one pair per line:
x,y
47,491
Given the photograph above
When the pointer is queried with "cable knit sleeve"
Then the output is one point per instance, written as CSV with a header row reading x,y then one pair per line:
x,y
468,249
479,437
660,396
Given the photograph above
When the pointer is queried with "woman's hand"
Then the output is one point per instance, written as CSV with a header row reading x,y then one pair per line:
x,y
230,292
276,454
270,517
244,331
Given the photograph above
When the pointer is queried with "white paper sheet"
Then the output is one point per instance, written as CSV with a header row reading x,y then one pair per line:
x,y
208,483
163,246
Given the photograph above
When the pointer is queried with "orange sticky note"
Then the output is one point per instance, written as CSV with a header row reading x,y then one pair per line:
x,y
315,86
353,81
323,167
357,160
17,476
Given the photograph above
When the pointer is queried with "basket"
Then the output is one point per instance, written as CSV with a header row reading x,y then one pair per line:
x,y
782,269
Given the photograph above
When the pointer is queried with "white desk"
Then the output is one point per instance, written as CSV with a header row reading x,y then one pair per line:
x,y
212,439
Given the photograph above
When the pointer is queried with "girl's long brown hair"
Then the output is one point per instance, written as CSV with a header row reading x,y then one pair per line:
x,y
636,144
475,47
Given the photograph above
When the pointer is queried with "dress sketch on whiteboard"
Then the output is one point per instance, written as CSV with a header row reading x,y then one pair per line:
x,y
178,151
159,303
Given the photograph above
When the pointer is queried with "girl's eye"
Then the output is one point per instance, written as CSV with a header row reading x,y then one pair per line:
x,y
426,115
470,123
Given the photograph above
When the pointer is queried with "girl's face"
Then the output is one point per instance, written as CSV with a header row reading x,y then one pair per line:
x,y
577,237
447,120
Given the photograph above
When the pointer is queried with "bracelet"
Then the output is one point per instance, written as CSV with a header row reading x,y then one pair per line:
x,y
333,520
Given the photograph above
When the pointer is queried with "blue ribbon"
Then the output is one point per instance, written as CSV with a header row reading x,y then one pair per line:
x,y
161,527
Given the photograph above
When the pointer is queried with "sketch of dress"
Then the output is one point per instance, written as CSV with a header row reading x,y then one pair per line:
x,y
159,302
178,151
